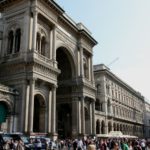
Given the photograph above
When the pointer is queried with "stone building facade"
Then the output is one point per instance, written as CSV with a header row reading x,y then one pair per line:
x,y
47,78
118,107
147,120
47,58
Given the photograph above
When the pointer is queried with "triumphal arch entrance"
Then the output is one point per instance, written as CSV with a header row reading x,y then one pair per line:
x,y
47,58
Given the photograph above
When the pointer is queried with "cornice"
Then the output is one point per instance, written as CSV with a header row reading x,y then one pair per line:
x,y
117,79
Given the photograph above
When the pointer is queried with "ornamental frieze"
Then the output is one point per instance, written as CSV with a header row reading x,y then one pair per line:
x,y
48,72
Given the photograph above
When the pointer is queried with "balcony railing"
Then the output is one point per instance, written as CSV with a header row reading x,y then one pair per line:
x,y
43,58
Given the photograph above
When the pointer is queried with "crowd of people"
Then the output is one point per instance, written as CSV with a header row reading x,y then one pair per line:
x,y
108,144
12,145
80,144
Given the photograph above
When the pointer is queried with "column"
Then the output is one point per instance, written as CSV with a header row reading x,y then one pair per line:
x,y
81,62
92,72
106,127
31,105
89,67
75,116
111,108
53,109
35,14
10,123
104,107
79,117
82,116
39,48
93,118
112,126
51,44
27,25
25,98
49,111
54,46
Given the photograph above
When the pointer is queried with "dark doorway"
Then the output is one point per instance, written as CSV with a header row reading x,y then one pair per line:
x,y
3,113
39,114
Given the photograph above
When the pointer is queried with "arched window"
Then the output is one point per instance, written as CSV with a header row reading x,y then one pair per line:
x,y
102,127
10,42
17,40
43,43
97,127
85,66
98,88
38,41
108,106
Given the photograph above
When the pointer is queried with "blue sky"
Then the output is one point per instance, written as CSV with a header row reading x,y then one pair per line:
x,y
122,29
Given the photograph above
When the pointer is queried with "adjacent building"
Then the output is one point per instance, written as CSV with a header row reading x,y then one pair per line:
x,y
118,107
147,119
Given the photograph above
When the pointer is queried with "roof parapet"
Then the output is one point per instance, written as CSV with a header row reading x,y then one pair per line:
x,y
69,19
100,67
80,26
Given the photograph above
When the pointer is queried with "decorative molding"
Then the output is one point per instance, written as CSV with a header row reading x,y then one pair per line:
x,y
60,35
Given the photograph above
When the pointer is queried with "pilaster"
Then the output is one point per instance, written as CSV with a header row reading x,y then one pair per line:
x,y
31,105
49,112
81,62
35,14
54,47
93,118
54,109
25,106
82,116
75,116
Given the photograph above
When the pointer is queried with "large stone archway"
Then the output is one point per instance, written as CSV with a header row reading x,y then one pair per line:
x,y
64,92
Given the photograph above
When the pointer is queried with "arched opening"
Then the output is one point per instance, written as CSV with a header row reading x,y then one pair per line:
x,y
97,127
64,93
108,106
17,40
97,105
64,64
85,67
102,127
121,127
3,113
115,128
109,127
39,114
118,129
10,42
98,87
43,46
38,41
